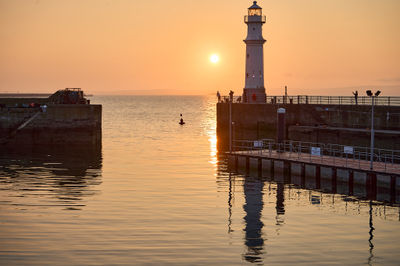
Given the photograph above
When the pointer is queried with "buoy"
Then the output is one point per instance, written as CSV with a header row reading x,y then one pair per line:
x,y
181,122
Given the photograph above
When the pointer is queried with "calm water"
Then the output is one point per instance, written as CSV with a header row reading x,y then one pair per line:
x,y
156,193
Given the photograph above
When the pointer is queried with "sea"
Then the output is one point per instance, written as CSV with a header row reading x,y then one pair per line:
x,y
158,193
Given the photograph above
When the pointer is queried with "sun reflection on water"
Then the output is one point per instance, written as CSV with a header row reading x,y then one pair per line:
x,y
213,149
210,129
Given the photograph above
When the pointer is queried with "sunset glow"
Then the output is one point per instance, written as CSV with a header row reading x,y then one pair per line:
x,y
117,47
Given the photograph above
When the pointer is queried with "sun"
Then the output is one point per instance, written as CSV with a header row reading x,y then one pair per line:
x,y
214,58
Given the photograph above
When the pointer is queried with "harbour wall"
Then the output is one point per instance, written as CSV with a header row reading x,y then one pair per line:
x,y
59,124
323,123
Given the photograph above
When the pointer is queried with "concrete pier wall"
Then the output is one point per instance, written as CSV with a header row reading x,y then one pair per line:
x,y
61,123
360,178
278,167
311,170
343,175
339,124
326,172
253,163
296,169
266,166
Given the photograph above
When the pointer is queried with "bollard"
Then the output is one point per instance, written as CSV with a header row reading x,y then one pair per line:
x,y
281,125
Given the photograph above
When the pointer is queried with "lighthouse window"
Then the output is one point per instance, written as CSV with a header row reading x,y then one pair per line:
x,y
247,75
254,28
255,12
248,55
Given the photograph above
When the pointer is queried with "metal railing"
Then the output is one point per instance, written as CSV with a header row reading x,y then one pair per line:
x,y
254,18
332,154
335,100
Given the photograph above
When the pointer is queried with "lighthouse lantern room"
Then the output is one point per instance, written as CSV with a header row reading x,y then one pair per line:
x,y
254,91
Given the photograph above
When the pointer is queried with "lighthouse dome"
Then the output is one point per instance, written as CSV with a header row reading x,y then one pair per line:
x,y
255,10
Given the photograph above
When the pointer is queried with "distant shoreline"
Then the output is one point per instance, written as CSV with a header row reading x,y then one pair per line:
x,y
24,95
29,95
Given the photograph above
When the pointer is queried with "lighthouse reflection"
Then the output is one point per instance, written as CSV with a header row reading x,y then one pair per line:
x,y
253,192
253,189
266,200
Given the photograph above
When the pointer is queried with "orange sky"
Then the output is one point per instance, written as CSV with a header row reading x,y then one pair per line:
x,y
322,47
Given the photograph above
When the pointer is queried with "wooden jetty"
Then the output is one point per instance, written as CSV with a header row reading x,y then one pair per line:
x,y
308,160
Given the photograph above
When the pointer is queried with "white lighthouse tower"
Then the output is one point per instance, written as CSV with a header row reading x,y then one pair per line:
x,y
254,91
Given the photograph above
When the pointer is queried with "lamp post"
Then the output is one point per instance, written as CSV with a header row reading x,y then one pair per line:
x,y
373,96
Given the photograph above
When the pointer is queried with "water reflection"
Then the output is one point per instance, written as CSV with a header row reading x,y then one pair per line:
x,y
50,176
280,203
230,199
213,149
253,192
261,191
371,235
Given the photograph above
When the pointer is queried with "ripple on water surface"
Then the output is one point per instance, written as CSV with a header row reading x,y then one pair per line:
x,y
154,192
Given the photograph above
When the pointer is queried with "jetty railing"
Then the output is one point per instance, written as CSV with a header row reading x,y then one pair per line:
x,y
312,99
349,156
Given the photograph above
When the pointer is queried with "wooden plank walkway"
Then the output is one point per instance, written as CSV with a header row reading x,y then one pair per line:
x,y
378,167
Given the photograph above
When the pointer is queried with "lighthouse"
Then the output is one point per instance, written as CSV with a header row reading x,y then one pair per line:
x,y
254,91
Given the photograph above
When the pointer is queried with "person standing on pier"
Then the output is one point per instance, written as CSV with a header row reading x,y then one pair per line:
x,y
356,96
219,96
231,96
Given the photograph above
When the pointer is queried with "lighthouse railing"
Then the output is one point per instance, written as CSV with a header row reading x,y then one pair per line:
x,y
254,18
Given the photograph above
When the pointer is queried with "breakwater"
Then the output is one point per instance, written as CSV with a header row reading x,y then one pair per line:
x,y
313,121
59,124
66,117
